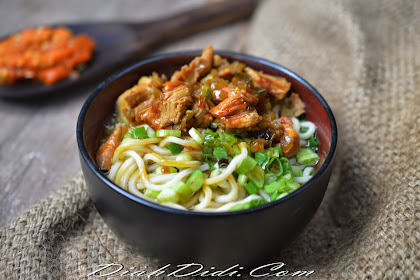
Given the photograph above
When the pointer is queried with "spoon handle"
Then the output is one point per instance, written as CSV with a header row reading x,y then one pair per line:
x,y
211,15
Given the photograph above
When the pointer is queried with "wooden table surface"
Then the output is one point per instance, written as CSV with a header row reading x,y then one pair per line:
x,y
38,150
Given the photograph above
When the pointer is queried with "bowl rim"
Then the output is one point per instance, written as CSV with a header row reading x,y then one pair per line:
x,y
84,153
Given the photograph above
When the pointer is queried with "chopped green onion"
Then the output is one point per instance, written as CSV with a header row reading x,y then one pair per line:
x,y
184,157
307,157
268,178
230,138
179,192
127,135
274,195
235,150
292,186
168,195
247,164
168,132
242,179
247,205
303,129
220,153
275,152
313,141
261,158
277,195
207,151
210,135
165,170
174,148
286,164
184,192
139,133
296,172
150,132
211,165
271,166
196,136
251,188
272,187
196,180
256,175
288,177
151,193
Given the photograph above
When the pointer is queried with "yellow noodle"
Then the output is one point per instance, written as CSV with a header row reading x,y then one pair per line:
x,y
138,145
182,142
231,167
205,198
232,195
166,162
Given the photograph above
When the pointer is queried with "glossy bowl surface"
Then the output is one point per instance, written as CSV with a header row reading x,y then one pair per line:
x,y
215,239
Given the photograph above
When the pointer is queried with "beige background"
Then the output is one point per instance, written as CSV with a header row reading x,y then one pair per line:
x,y
38,151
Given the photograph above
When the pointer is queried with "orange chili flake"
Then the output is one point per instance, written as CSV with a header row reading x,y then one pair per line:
x,y
44,54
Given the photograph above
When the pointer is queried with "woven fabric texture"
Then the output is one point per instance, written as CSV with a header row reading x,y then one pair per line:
x,y
364,58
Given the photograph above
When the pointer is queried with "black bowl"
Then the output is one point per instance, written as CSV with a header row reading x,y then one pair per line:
x,y
244,237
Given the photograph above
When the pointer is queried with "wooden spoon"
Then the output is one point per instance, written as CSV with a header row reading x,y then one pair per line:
x,y
119,43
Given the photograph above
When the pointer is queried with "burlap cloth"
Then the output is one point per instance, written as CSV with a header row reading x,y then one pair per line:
x,y
364,57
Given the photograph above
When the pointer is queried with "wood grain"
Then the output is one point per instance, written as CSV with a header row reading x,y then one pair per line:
x,y
38,151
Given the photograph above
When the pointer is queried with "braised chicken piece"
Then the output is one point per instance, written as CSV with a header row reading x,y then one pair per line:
x,y
168,86
223,93
245,119
202,117
293,106
289,141
199,67
107,149
237,111
142,107
285,120
147,89
234,104
277,86
169,109
226,70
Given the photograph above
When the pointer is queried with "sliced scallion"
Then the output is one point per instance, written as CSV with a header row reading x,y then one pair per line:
x,y
151,193
261,158
307,157
242,179
256,175
297,172
139,133
247,164
251,188
196,180
247,205
174,148
313,141
168,132
275,170
275,152
220,153
184,157
196,136
278,185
